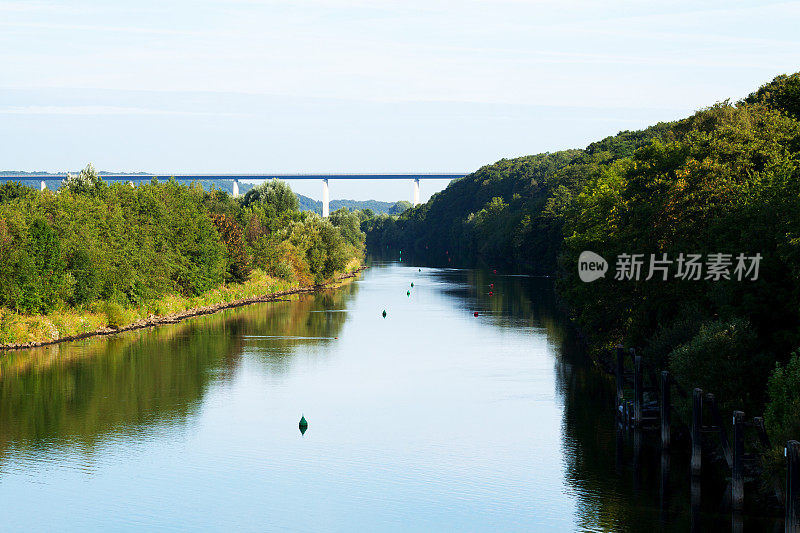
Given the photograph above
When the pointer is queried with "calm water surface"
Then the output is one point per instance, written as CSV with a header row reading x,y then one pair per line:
x,y
428,420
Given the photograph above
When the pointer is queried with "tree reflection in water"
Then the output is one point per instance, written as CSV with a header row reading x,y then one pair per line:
x,y
81,392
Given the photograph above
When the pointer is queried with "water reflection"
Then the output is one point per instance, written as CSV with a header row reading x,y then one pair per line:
x,y
81,392
621,478
430,419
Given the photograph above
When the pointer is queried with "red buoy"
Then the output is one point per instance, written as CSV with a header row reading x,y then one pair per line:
x,y
491,285
490,293
476,313
494,271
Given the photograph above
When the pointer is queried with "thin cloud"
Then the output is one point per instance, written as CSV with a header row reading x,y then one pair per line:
x,y
102,110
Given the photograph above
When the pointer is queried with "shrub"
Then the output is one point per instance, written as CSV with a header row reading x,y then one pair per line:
x,y
84,272
722,359
782,413
115,315
37,270
670,336
238,268
87,182
7,320
283,270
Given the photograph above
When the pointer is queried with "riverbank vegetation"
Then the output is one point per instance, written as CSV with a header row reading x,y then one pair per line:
x,y
93,255
725,180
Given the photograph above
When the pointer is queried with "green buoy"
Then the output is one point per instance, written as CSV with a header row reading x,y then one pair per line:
x,y
412,283
408,293
303,425
384,313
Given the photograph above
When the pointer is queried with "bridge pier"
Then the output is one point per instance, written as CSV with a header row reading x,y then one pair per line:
x,y
42,185
325,199
235,188
415,202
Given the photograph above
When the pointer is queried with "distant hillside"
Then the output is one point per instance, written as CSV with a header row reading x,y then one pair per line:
x,y
391,208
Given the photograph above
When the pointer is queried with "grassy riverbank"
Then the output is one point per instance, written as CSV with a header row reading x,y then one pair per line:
x,y
19,330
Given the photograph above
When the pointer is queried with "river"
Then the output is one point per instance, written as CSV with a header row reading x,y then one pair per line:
x,y
430,419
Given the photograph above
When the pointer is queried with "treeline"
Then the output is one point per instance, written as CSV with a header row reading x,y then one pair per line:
x,y
90,241
724,181
370,206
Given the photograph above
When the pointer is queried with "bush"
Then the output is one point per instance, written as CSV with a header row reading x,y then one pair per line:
x,y
115,315
782,413
283,270
238,268
87,182
668,337
83,270
37,270
722,359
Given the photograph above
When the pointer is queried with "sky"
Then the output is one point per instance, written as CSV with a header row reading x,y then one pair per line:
x,y
293,86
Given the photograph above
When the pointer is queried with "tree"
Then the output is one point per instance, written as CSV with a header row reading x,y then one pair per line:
x,y
276,194
86,182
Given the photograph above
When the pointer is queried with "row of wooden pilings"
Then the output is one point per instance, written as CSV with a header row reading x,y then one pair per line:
x,y
638,414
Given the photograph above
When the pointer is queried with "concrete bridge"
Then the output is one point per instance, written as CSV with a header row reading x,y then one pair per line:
x,y
235,178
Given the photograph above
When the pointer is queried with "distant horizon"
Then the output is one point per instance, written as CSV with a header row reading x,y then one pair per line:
x,y
355,86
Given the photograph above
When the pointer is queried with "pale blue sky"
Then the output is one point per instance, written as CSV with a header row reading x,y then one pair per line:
x,y
363,85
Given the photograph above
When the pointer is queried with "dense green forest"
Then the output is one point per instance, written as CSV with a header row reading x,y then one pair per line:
x,y
125,247
725,180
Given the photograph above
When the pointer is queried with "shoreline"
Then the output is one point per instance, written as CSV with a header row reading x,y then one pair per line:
x,y
174,318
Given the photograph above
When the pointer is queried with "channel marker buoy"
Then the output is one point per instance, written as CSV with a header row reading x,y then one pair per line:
x,y
303,425
384,313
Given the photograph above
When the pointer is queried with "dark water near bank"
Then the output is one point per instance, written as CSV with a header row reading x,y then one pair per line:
x,y
428,420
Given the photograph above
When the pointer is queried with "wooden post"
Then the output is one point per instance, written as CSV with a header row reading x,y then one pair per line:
x,y
792,522
737,473
758,422
664,485
697,427
763,438
723,434
665,406
737,522
695,504
637,458
638,393
624,411
620,376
